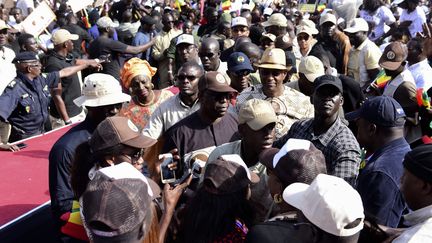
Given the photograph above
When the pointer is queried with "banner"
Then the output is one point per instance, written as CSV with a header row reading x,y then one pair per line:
x,y
38,20
77,5
99,3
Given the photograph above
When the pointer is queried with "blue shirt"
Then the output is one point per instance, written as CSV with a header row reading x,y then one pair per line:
x,y
142,38
378,183
24,103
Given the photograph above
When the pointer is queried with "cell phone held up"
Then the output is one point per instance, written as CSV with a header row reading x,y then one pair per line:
x,y
167,175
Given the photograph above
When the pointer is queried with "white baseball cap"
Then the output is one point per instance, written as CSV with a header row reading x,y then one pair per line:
x,y
101,89
328,202
356,25
311,67
239,21
268,11
61,36
185,38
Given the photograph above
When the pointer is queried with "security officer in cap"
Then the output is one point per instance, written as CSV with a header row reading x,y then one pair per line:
x,y
25,101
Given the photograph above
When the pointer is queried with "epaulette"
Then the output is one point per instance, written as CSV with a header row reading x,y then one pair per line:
x,y
13,83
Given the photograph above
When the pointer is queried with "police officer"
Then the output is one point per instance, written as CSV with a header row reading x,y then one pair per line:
x,y
25,101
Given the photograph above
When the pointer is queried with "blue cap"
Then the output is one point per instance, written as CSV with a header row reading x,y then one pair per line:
x,y
26,56
382,111
238,61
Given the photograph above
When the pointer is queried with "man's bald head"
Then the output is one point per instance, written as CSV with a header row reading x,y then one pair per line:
x,y
210,43
209,53
251,50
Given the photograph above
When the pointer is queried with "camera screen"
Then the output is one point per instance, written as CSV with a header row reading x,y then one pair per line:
x,y
167,174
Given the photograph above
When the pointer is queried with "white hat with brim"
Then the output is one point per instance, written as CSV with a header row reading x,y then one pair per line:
x,y
276,19
101,89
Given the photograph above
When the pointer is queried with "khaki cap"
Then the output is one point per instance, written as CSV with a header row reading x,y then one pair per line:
x,y
257,114
277,19
61,36
311,67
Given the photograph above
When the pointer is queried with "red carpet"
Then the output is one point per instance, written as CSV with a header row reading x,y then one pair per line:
x,y
24,176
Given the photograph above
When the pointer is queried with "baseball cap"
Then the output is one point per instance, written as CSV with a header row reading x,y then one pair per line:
x,y
307,26
328,80
239,21
327,17
283,42
268,11
118,130
214,81
239,61
61,36
113,206
3,25
269,36
328,202
27,56
185,38
257,114
273,58
356,25
106,22
277,19
297,161
311,67
101,89
382,110
227,174
393,56
246,6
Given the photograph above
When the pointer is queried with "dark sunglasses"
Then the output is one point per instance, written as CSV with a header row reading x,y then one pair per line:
x,y
188,77
242,73
208,55
135,156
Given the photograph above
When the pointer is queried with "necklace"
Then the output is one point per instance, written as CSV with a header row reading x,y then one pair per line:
x,y
152,95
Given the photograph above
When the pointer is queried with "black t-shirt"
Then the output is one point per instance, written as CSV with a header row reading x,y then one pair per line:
x,y
332,50
107,46
71,88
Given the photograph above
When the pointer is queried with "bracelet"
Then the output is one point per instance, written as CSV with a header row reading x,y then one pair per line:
x,y
97,60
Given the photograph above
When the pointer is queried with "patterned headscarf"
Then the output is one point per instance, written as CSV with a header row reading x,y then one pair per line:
x,y
133,68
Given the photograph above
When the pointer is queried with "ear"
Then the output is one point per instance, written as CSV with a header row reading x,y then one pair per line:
x,y
342,100
109,159
372,129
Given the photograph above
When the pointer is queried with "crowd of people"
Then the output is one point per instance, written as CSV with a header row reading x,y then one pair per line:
x,y
227,121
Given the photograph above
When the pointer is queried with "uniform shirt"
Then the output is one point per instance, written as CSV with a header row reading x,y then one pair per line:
x,y
422,74
167,114
60,163
378,183
380,20
338,144
418,18
290,107
421,226
363,58
25,102
71,88
106,46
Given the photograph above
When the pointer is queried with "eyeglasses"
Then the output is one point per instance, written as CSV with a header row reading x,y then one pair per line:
x,y
218,96
208,55
134,157
302,37
242,73
273,72
188,77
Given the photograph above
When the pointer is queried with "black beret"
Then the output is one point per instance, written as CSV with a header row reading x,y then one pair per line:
x,y
419,162
27,56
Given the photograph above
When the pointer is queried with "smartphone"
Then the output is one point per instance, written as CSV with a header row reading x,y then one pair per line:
x,y
21,145
197,168
167,175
